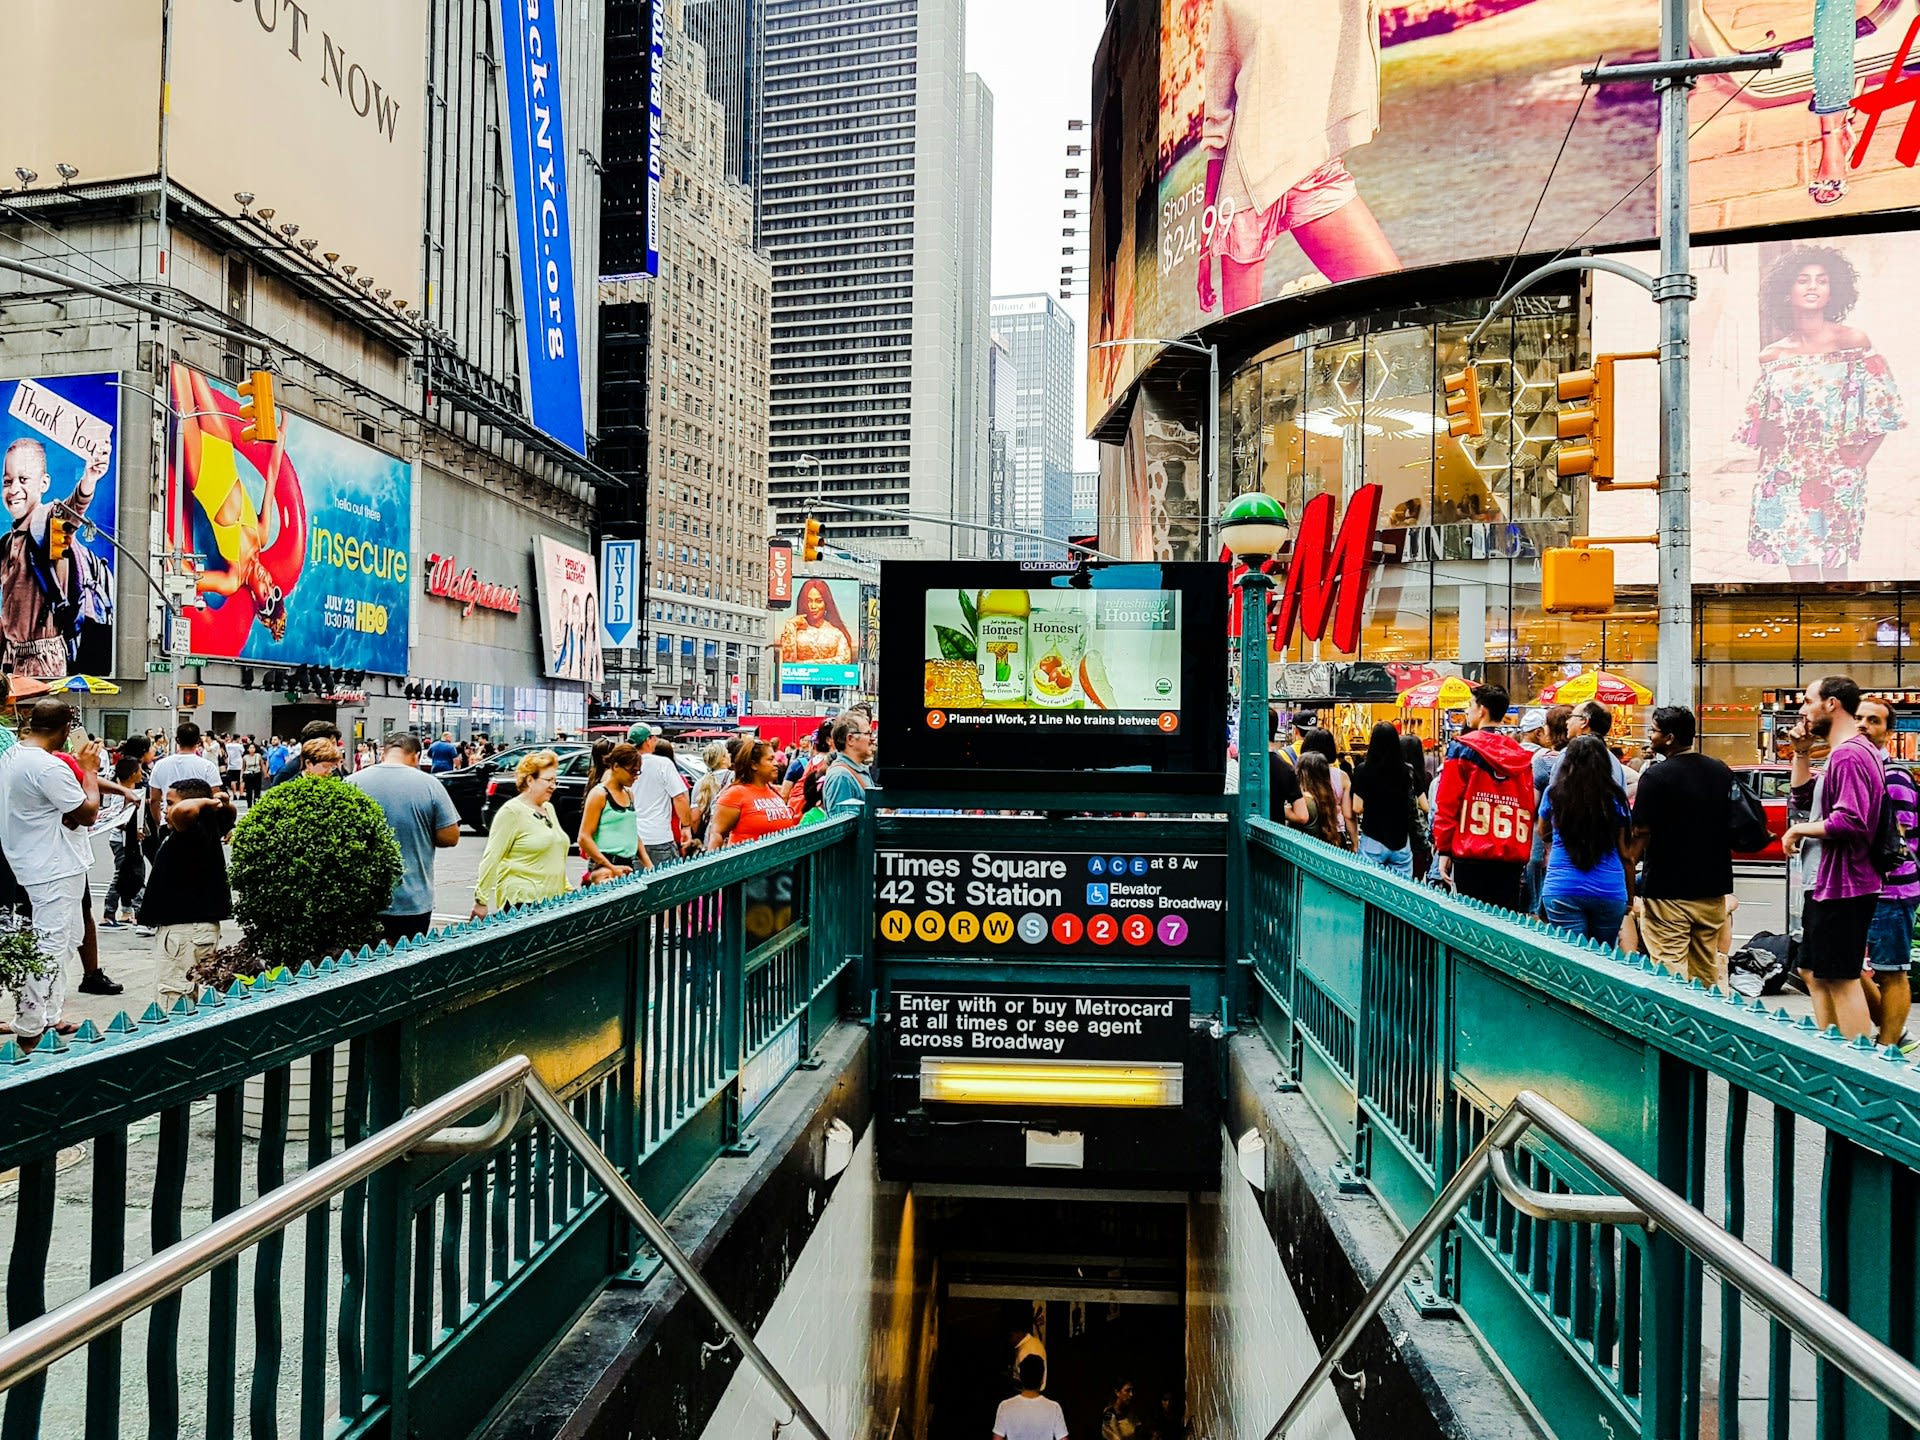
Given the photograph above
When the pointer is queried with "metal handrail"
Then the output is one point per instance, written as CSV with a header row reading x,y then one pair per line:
x,y
1643,1201
429,1130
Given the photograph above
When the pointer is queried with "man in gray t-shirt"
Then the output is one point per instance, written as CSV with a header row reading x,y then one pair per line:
x,y
423,818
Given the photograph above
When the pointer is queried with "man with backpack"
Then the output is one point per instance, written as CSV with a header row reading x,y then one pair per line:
x,y
1684,824
1839,907
1483,808
1890,935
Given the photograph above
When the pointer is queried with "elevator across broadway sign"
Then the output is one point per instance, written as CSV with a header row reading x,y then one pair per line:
x,y
1062,1022
1038,902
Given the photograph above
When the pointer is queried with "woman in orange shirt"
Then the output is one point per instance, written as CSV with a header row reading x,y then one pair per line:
x,y
750,807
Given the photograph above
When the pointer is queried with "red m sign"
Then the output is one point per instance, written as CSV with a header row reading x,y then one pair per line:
x,y
1327,577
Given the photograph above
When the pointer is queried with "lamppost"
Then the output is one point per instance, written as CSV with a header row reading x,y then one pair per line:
x,y
1254,529
1213,394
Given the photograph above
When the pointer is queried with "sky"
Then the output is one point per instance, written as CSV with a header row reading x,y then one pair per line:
x,y
1037,58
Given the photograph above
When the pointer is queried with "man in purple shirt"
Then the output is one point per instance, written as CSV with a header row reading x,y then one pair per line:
x,y
1890,938
1846,888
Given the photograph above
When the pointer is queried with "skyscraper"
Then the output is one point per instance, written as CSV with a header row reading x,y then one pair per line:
x,y
695,407
732,34
1041,336
971,401
1003,402
859,184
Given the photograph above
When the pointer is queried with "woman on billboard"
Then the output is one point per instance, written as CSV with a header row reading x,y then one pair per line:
x,y
816,635
261,569
1823,404
1289,90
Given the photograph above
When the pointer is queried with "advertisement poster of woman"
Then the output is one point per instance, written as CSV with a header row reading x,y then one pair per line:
x,y
1785,145
304,544
569,613
1806,460
817,635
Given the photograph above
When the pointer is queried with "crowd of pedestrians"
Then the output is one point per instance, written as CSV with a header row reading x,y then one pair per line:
x,y
1546,818
167,807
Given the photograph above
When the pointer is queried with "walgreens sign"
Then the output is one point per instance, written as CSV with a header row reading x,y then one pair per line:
x,y
446,579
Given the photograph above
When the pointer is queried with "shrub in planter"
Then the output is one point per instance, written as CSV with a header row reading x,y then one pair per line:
x,y
21,957
313,864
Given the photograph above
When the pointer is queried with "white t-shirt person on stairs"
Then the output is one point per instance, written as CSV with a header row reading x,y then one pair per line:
x,y
1030,1415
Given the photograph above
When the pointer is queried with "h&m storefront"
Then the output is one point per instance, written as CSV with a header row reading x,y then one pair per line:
x,y
1337,270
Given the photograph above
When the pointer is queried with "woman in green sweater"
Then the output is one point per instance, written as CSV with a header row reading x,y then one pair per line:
x,y
526,856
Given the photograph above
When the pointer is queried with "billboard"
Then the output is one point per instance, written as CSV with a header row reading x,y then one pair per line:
x,y
1806,456
1245,150
543,225
779,574
58,458
305,545
569,612
620,605
1809,139
820,643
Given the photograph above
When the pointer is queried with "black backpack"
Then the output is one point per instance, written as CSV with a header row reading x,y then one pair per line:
x,y
1746,819
1890,850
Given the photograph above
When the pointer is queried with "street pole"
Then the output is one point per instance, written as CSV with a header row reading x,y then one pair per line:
x,y
1255,583
1673,76
1673,293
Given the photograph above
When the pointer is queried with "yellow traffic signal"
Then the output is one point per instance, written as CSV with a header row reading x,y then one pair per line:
x,y
1590,424
59,536
1576,581
257,415
810,545
1463,403
192,697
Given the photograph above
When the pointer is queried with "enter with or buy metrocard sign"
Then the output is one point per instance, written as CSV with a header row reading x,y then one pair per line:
x,y
1125,901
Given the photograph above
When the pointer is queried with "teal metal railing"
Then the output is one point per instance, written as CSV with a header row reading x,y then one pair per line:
x,y
419,1298
1411,1019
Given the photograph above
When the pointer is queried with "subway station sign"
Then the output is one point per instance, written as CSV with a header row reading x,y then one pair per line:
x,y
1073,902
1061,1022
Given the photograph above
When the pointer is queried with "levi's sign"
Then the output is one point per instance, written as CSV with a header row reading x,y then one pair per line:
x,y
446,579
1064,1022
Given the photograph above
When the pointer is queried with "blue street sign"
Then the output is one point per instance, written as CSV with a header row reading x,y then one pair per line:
x,y
619,589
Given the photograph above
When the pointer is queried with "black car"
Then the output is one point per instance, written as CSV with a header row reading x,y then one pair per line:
x,y
570,795
468,787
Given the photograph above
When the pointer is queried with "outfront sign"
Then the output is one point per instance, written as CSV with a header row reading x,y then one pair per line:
x,y
1073,902
1060,1022
530,78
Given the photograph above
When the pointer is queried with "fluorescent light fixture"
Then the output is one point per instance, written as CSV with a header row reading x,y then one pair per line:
x,y
1127,1084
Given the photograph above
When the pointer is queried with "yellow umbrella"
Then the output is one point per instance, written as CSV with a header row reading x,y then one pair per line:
x,y
86,685
1601,685
1447,694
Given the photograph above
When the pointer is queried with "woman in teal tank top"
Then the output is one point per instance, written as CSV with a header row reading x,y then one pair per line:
x,y
609,830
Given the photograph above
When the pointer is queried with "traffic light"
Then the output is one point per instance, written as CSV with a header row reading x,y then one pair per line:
x,y
59,536
1590,424
256,408
810,545
192,697
1576,581
1463,402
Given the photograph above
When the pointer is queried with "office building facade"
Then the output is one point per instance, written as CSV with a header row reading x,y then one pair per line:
x,y
1042,337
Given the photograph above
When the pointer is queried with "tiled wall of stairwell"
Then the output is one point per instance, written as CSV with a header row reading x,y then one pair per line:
x,y
852,1328
1248,1347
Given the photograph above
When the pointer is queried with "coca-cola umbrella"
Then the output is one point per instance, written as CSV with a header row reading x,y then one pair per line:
x,y
1448,692
1601,685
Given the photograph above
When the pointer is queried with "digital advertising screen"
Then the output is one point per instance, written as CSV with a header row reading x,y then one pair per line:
x,y
1806,451
1109,671
819,643
1246,150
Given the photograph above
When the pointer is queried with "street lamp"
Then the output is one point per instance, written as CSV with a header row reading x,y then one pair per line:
x,y
1212,353
1254,529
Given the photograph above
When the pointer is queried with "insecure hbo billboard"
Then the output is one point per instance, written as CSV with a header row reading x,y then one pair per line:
x,y
304,545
